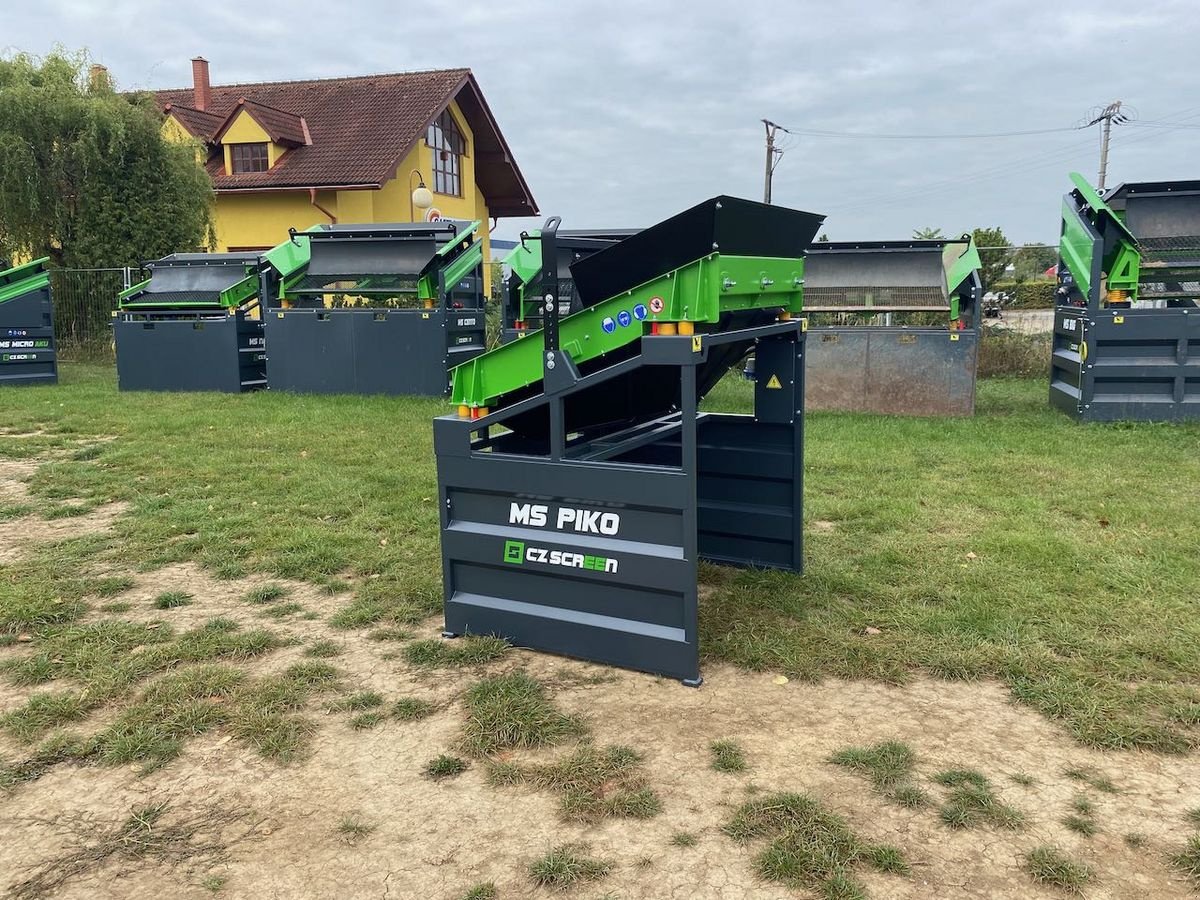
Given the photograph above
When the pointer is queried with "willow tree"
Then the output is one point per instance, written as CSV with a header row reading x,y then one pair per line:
x,y
86,176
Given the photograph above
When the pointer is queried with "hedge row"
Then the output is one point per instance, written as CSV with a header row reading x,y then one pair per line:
x,y
1027,294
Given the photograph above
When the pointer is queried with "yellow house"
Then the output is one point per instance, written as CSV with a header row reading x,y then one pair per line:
x,y
293,154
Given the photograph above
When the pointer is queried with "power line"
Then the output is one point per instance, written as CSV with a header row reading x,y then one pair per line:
x,y
875,136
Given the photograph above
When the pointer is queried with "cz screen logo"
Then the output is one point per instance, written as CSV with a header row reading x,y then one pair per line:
x,y
517,553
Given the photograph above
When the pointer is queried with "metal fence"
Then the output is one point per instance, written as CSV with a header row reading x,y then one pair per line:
x,y
83,303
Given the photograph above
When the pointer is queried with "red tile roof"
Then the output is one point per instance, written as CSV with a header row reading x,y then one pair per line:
x,y
360,130
281,126
200,124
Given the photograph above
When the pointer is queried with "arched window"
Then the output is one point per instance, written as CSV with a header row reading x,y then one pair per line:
x,y
448,147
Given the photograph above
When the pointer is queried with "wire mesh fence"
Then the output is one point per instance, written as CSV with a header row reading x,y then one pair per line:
x,y
84,300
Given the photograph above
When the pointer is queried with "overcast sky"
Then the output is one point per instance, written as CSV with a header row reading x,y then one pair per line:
x,y
622,113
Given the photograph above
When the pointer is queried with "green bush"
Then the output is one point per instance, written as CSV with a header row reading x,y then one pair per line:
x,y
1027,294
1006,352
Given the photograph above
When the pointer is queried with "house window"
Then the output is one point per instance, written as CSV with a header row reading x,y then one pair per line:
x,y
448,147
248,158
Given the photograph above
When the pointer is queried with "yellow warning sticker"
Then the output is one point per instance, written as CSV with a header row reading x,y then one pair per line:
x,y
1118,320
424,315
280,315
954,337
804,325
773,383
695,343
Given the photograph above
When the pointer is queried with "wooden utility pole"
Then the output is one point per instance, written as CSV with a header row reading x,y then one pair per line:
x,y
773,156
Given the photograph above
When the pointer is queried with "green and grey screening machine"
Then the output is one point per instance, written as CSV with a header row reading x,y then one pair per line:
x,y
28,354
1127,320
378,309
579,485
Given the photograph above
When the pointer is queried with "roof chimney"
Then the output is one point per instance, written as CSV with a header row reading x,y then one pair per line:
x,y
201,89
98,78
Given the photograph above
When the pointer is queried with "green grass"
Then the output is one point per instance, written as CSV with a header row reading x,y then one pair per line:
x,y
567,866
485,890
472,650
357,702
1193,816
512,711
279,611
889,766
108,659
323,649
444,766
683,839
1187,860
808,847
593,783
971,802
353,829
264,594
727,756
1050,866
1065,611
409,709
173,600
1092,779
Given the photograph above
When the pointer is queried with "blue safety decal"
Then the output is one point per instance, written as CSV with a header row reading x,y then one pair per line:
x,y
640,312
624,319
608,325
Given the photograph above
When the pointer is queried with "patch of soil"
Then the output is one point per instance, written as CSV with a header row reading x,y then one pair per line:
x,y
436,839
14,475
18,535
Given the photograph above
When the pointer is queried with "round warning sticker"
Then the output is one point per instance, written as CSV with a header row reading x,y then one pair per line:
x,y
608,325
639,311
656,304
624,318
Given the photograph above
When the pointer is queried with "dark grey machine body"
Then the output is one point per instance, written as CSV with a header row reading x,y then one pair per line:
x,y
27,349
594,555
370,351
1110,365
1114,363
196,351
916,371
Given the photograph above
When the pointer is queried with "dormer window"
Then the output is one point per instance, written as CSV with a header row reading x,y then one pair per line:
x,y
448,147
246,158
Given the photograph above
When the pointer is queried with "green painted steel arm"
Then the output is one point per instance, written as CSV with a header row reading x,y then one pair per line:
x,y
698,292
22,279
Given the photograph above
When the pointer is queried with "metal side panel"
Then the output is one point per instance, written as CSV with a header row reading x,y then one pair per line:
x,y
1141,365
584,559
188,354
895,371
27,347
836,374
1067,377
310,351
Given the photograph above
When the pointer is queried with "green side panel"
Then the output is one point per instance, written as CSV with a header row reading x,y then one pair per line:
x,y
465,263
289,256
128,292
526,260
1077,246
697,292
20,280
1124,269
1093,199
959,263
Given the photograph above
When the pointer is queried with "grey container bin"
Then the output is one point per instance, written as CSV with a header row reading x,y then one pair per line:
x,y
894,367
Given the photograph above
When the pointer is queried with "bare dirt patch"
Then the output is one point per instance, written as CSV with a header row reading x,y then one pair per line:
x,y
426,838
18,535
14,475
